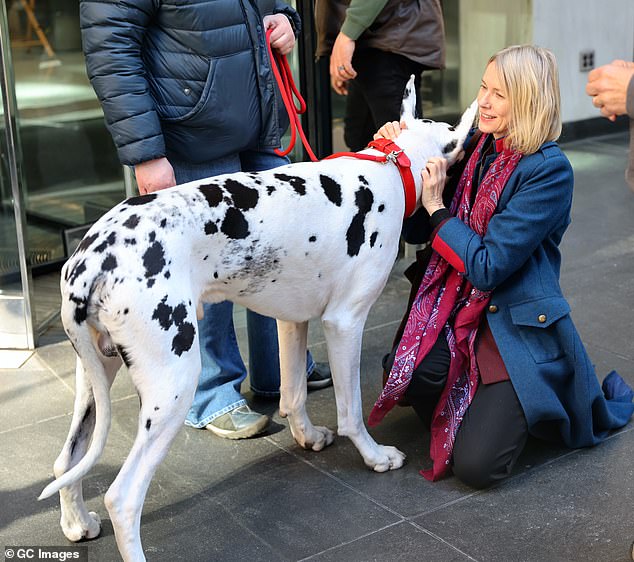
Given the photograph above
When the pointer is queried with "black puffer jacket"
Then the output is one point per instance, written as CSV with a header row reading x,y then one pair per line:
x,y
186,79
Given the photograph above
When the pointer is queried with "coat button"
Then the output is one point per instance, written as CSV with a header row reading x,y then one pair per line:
x,y
541,318
187,91
493,308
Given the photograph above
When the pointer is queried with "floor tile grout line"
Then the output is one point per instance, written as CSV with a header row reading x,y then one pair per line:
x,y
336,479
50,368
440,539
352,541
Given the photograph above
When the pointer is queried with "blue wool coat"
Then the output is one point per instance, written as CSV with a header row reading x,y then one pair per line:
x,y
518,259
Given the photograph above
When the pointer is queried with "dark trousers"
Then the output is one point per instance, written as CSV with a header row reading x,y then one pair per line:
x,y
375,95
493,431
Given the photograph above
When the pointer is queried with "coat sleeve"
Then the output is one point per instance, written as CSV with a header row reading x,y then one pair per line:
x,y
540,205
291,14
112,34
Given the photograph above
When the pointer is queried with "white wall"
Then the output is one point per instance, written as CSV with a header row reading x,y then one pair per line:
x,y
486,26
570,26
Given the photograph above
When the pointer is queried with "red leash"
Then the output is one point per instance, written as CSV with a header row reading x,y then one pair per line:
x,y
391,152
287,88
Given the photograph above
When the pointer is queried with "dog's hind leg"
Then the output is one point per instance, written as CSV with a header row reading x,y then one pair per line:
x,y
166,389
344,330
76,521
292,338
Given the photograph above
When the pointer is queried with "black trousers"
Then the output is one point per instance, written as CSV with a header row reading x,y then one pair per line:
x,y
493,431
375,95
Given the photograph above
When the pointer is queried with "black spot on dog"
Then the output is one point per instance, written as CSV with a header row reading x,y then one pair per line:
x,y
129,241
331,188
150,283
373,239
426,120
167,274
156,408
184,339
126,310
163,223
77,271
234,225
212,193
112,238
140,199
131,222
125,357
450,146
244,197
154,259
86,242
148,424
381,208
312,239
109,263
355,235
168,317
297,183
210,228
363,180
270,189
152,236
81,308
451,128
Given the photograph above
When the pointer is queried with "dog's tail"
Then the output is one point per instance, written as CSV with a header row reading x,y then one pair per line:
x,y
85,344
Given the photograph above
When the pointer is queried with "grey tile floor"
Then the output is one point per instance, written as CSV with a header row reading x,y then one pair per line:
x,y
265,499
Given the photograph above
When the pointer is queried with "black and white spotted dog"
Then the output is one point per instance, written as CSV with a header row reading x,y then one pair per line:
x,y
307,240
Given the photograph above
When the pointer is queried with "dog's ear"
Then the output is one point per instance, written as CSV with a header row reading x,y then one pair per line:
x,y
452,149
408,106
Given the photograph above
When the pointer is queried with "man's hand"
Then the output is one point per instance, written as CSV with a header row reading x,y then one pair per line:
x,y
608,87
154,175
341,64
282,36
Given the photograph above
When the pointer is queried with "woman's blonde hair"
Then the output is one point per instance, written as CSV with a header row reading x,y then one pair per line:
x,y
531,79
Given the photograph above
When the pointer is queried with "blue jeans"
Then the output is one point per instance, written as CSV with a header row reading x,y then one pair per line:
x,y
223,370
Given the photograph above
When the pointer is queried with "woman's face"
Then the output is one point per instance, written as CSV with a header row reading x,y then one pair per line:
x,y
493,102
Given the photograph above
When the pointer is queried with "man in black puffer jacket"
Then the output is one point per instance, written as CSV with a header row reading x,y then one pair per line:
x,y
187,93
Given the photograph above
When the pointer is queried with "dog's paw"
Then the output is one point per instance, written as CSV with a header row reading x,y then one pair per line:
x,y
76,530
387,458
317,438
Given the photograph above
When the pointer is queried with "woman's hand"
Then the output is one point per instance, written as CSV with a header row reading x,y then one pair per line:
x,y
390,130
434,178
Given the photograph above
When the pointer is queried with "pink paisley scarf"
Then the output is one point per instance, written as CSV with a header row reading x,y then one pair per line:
x,y
447,302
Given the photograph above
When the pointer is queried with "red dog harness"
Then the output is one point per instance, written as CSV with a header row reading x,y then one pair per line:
x,y
391,153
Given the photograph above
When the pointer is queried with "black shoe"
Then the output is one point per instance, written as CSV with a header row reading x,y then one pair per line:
x,y
320,377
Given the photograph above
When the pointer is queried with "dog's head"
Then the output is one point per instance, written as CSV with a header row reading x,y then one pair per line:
x,y
434,137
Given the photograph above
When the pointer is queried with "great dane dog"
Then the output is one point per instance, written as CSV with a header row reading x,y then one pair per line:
x,y
307,240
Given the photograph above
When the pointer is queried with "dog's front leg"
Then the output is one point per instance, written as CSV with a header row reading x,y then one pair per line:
x,y
343,334
292,339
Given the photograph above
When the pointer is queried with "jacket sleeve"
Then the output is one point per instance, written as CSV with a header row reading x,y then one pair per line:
x,y
540,205
112,34
291,14
360,15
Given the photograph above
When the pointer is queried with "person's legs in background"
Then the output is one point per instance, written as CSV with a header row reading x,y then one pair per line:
x,y
375,95
218,404
264,367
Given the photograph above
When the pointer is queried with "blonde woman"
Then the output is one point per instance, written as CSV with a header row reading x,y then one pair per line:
x,y
489,353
